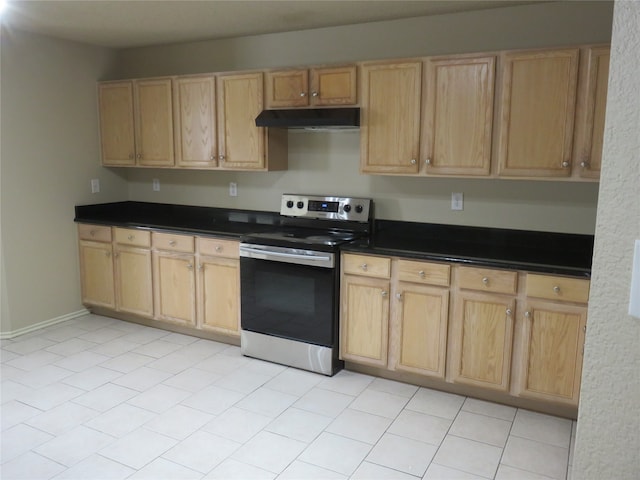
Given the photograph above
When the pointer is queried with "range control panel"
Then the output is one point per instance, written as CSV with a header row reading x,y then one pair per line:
x,y
332,208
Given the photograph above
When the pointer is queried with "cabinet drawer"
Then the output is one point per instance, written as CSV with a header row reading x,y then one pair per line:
x,y
97,233
487,280
130,236
173,242
217,247
423,272
368,266
558,288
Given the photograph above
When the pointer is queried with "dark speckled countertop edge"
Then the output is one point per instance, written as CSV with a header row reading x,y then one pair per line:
x,y
481,247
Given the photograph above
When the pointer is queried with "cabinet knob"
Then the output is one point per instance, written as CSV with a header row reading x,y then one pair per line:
x,y
189,266
565,164
314,94
139,156
556,289
508,312
421,273
130,237
364,267
384,293
200,267
485,280
399,296
428,161
584,164
221,157
527,314
107,254
212,158
218,248
172,243
92,233
412,161
303,94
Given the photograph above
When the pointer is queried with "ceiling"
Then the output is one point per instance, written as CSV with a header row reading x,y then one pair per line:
x,y
126,23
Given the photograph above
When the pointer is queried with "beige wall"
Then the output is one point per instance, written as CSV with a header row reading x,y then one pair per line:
x,y
49,153
608,436
328,162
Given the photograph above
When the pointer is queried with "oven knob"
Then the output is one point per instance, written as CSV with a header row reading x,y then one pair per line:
x,y
300,204
359,208
347,208
289,203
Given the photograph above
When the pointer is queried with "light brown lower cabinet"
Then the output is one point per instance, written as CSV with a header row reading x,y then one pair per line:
x,y
96,266
133,271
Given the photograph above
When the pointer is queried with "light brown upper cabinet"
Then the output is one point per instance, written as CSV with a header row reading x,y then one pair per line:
x,y
242,145
458,115
536,120
195,121
390,117
136,122
324,86
592,101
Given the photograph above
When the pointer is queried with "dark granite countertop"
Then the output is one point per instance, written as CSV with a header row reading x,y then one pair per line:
x,y
178,218
554,253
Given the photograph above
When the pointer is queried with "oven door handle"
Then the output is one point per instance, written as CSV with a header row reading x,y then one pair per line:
x,y
284,255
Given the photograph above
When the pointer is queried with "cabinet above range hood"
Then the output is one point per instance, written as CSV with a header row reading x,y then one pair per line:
x,y
310,118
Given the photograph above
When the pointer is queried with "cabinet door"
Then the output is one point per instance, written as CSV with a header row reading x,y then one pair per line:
x,y
365,320
117,141
458,115
96,274
481,340
288,88
219,295
552,347
537,113
241,143
134,293
421,328
334,86
154,122
591,111
390,118
195,122
174,287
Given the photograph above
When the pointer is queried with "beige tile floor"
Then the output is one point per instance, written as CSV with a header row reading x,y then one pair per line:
x,y
98,398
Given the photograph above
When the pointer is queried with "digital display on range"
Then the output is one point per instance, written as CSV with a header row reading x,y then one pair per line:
x,y
318,206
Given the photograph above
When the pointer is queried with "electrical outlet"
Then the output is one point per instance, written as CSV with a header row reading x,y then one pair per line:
x,y
156,185
457,201
233,189
95,185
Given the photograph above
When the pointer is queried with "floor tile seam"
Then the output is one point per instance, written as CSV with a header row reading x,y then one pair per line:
x,y
487,415
480,441
530,471
543,443
391,468
39,455
465,471
66,355
199,472
433,414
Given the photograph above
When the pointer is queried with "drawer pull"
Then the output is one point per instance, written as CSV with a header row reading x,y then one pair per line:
x,y
527,314
172,243
107,254
399,296
384,293
218,248
189,266
130,237
556,289
421,273
92,233
485,280
508,312
364,267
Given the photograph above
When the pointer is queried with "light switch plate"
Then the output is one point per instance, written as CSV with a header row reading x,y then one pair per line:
x,y
457,201
95,185
156,184
634,296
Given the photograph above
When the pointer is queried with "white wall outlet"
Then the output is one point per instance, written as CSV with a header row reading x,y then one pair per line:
x,y
95,185
233,189
457,201
156,184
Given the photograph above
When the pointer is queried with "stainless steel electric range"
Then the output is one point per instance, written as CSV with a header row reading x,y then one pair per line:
x,y
290,294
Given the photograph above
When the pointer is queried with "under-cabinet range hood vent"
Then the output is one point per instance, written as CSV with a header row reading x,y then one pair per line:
x,y
310,118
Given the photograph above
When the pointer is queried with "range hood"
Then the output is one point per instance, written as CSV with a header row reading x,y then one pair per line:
x,y
310,118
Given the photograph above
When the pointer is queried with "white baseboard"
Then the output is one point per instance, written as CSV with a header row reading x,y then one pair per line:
x,y
43,324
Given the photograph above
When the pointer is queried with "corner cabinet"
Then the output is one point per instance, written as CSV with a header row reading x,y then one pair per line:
x,y
136,122
316,87
96,266
537,110
364,326
390,117
242,145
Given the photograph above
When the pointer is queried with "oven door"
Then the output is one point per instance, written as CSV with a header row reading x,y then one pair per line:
x,y
289,293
